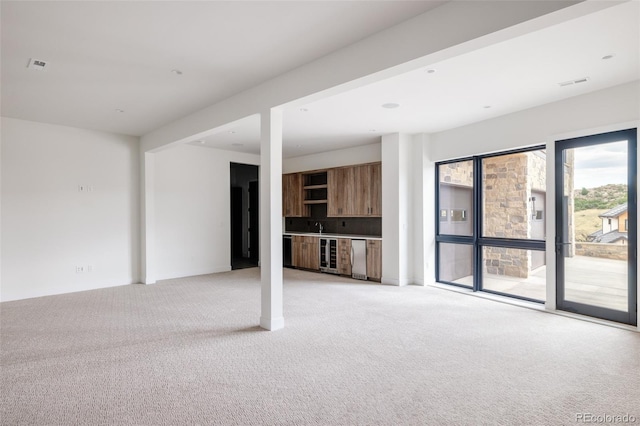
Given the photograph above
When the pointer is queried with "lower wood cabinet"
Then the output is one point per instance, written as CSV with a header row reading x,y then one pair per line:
x,y
306,255
374,260
344,256
306,252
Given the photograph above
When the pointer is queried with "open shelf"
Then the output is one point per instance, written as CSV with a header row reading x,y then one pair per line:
x,y
315,186
315,201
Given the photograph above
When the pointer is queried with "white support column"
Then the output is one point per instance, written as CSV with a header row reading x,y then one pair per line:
x,y
147,218
271,219
423,211
397,210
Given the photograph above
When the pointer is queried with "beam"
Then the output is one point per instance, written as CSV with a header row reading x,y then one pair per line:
x,y
455,28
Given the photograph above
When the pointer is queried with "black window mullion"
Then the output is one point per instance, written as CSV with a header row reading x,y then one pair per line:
x,y
477,223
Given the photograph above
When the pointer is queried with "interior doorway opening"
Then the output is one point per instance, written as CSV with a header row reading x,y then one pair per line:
x,y
245,216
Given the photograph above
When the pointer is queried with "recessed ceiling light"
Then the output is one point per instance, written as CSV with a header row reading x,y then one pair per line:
x,y
304,109
176,72
233,132
390,105
430,71
200,142
372,130
237,144
119,110
486,106
298,146
607,57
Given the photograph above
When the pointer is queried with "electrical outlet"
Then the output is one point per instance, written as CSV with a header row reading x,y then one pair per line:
x,y
89,268
82,188
79,269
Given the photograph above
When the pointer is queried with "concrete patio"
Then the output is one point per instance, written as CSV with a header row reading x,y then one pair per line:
x,y
590,280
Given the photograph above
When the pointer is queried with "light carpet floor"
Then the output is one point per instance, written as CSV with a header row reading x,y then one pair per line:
x,y
188,351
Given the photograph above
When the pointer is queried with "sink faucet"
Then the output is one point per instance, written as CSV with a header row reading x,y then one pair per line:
x,y
321,227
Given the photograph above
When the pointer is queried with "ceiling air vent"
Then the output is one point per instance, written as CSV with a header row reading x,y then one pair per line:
x,y
572,82
38,64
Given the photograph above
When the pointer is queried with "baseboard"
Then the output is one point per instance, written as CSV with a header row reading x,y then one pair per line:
x,y
397,282
196,272
272,324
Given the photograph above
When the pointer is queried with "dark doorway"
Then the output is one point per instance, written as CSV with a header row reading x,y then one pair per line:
x,y
244,216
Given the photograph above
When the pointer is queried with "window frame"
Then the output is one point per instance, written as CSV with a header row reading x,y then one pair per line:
x,y
477,239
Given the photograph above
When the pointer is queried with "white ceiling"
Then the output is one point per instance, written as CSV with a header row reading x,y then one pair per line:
x,y
510,76
112,55
119,55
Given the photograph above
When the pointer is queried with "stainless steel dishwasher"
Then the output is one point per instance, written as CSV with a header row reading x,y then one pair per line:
x,y
359,259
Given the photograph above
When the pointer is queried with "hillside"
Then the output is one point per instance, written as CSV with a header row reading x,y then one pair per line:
x,y
602,198
587,222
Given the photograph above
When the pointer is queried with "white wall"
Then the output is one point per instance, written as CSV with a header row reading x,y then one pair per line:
x,y
326,160
192,210
49,227
535,125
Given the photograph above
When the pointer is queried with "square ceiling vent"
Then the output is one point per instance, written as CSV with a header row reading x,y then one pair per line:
x,y
38,64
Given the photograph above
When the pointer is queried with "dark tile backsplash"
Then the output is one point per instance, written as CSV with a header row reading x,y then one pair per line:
x,y
333,225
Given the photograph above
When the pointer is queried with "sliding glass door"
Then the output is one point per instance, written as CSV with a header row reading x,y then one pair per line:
x,y
596,219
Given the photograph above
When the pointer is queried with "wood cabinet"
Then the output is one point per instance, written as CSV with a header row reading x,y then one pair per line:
x,y
374,260
306,252
355,191
344,256
375,189
339,192
292,196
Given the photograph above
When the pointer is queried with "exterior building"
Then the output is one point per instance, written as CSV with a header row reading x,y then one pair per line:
x,y
615,227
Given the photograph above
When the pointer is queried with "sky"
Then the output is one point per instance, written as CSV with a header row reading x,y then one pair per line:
x,y
600,165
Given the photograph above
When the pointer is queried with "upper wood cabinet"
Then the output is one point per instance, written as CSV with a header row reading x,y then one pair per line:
x,y
340,192
355,191
292,196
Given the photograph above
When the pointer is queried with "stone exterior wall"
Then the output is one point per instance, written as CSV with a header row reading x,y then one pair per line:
x,y
569,193
605,251
460,173
506,212
505,196
506,261
537,171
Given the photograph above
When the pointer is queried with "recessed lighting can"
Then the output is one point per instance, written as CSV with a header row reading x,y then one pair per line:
x,y
607,57
176,71
390,105
237,144
200,142
430,71
304,109
486,106
119,110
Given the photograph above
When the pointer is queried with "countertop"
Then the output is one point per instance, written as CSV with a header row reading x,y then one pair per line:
x,y
351,236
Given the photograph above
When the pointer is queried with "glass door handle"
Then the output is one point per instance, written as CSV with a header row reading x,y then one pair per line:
x,y
560,247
